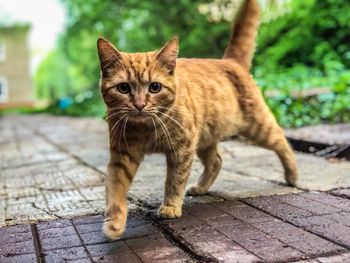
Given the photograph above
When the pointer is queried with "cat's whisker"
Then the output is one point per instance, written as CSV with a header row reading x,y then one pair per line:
x,y
126,122
175,121
155,133
114,114
119,144
115,126
166,134
174,109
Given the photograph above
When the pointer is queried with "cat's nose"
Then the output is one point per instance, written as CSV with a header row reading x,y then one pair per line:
x,y
139,105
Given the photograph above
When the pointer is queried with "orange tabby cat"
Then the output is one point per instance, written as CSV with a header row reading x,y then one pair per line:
x,y
179,107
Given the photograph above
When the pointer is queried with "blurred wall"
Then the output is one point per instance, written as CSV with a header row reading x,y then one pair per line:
x,y
15,80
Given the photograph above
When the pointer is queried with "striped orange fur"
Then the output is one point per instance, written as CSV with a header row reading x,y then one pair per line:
x,y
181,107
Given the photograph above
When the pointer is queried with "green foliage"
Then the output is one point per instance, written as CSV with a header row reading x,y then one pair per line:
x,y
315,34
136,26
86,103
305,48
57,77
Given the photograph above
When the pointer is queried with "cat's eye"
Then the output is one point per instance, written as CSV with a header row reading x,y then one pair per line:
x,y
123,88
155,87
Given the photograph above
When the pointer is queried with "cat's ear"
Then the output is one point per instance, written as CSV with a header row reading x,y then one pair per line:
x,y
108,54
168,54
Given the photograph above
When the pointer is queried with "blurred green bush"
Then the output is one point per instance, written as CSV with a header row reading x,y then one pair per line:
x,y
307,47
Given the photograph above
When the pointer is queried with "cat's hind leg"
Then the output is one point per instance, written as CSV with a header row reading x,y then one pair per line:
x,y
212,161
268,134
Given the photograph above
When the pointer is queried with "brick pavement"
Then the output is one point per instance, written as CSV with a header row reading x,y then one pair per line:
x,y
52,168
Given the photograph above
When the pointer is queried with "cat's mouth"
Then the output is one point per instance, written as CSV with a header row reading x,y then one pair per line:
x,y
141,114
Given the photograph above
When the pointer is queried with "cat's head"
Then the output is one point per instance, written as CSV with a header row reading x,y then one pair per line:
x,y
138,85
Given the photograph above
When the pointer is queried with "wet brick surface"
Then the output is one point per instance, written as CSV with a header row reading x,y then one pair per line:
x,y
81,240
285,228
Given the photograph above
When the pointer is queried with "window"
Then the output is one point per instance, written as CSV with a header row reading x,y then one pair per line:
x,y
2,51
3,89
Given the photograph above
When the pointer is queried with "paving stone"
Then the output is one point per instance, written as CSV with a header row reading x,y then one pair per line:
x,y
256,162
278,253
57,232
344,258
88,220
42,181
54,243
342,218
324,225
119,257
310,205
205,240
212,214
112,252
303,241
342,192
18,248
324,198
71,188
243,212
54,224
68,254
9,238
156,249
248,236
16,240
274,206
328,134
27,258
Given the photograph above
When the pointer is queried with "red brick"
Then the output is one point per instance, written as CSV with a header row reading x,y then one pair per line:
x,y
223,220
27,258
54,224
249,237
98,236
155,249
15,229
55,243
8,237
342,193
88,228
342,218
278,253
235,255
56,232
310,205
277,208
243,212
204,211
186,221
344,258
112,252
67,254
210,243
128,257
94,238
18,248
88,220
324,198
295,237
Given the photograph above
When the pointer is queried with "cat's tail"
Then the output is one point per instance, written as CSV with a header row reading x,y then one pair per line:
x,y
241,46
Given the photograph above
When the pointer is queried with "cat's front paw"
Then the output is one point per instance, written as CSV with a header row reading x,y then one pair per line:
x,y
195,190
169,211
113,228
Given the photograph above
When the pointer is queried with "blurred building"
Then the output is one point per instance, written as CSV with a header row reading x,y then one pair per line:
x,y
16,88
